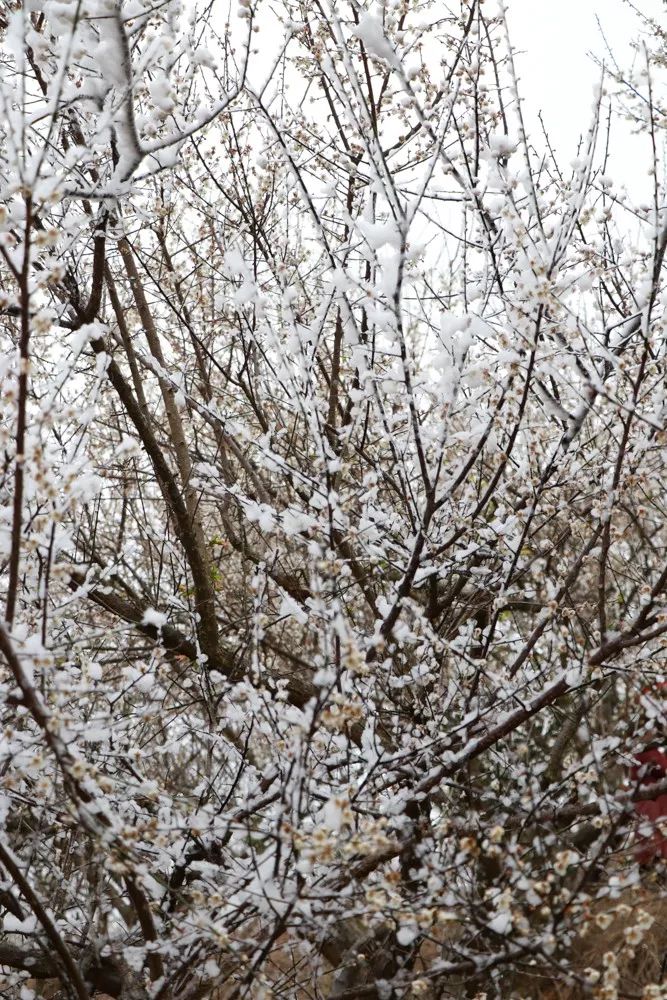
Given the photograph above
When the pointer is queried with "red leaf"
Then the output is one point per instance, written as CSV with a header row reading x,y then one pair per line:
x,y
652,767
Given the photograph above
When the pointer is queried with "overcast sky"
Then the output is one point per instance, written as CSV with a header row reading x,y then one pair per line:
x,y
558,74
555,42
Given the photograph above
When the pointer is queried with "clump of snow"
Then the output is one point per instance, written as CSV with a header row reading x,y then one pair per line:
x,y
501,923
371,32
407,934
12,924
333,815
501,144
153,617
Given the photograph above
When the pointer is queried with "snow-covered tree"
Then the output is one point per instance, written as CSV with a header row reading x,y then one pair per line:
x,y
333,541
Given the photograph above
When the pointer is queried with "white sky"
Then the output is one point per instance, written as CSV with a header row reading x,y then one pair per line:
x,y
557,74
555,41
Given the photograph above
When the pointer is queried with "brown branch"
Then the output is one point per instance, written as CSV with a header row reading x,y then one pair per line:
x,y
299,686
195,549
204,594
147,924
19,458
89,313
38,964
50,929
